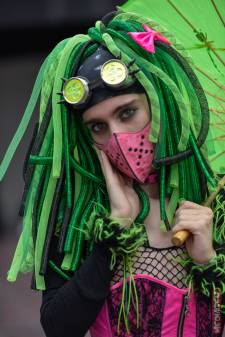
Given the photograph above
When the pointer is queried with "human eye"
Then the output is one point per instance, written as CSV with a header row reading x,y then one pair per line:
x,y
127,113
98,127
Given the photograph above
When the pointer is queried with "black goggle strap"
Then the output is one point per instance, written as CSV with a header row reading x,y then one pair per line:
x,y
110,78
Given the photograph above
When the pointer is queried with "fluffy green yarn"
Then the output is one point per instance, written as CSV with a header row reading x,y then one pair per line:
x,y
103,229
205,278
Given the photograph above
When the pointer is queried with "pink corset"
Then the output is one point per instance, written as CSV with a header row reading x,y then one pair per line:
x,y
164,311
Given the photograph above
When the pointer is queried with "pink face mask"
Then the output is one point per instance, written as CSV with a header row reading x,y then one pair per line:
x,y
131,153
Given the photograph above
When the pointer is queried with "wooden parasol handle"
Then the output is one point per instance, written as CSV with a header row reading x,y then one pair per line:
x,y
180,237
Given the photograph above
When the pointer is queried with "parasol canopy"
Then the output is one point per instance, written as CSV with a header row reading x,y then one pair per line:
x,y
199,26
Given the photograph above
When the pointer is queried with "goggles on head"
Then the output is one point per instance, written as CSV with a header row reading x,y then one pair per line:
x,y
114,74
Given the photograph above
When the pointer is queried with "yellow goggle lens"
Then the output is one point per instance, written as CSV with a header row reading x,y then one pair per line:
x,y
114,72
74,91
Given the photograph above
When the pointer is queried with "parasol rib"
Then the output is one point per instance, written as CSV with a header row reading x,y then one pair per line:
x,y
207,44
218,84
216,97
217,111
217,156
217,10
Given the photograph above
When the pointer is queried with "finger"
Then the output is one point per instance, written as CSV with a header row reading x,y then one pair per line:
x,y
184,213
188,226
109,171
114,179
112,176
104,162
189,204
196,227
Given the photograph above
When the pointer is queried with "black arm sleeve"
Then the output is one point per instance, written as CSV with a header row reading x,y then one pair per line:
x,y
70,307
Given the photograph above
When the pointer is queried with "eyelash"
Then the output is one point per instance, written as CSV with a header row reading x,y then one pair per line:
x,y
94,125
130,115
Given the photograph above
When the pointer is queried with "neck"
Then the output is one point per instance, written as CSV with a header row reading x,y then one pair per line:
x,y
156,237
152,190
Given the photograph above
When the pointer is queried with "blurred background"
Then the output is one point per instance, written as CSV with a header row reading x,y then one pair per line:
x,y
28,30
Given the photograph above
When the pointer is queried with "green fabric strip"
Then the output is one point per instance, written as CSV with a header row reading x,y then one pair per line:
x,y
67,155
37,160
75,218
59,271
77,167
155,106
24,122
22,249
80,237
23,244
57,121
42,228
20,252
174,177
172,205
49,76
68,258
184,113
188,93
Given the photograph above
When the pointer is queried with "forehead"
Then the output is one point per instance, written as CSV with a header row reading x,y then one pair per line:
x,y
109,105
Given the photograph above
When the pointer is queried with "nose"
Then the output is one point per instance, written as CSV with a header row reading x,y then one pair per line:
x,y
115,127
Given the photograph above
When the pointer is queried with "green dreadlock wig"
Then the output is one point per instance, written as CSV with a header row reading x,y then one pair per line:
x,y
64,185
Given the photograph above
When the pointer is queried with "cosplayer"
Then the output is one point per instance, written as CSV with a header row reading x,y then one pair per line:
x,y
116,167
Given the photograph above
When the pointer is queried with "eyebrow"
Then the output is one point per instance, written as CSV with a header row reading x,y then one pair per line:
x,y
118,108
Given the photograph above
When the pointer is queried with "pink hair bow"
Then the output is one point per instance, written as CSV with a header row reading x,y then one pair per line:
x,y
146,39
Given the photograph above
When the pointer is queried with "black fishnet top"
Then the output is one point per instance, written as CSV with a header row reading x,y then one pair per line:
x,y
161,263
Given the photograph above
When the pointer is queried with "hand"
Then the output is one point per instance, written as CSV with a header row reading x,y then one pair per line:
x,y
198,221
124,202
